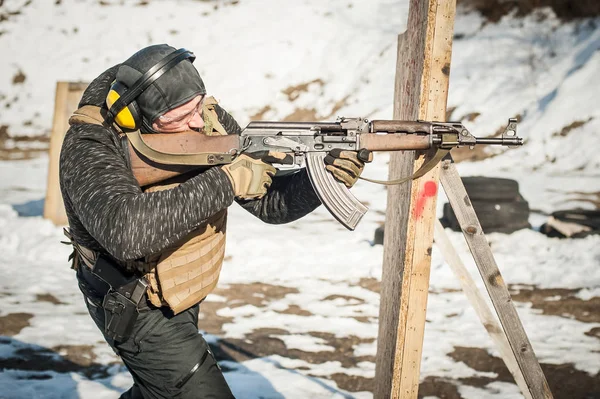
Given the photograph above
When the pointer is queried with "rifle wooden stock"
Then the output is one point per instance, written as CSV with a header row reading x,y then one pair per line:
x,y
394,141
147,171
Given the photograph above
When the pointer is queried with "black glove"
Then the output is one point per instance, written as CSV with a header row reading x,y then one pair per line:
x,y
346,166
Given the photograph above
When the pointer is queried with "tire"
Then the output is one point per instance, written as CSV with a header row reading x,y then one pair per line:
x,y
583,217
494,216
378,238
590,218
491,188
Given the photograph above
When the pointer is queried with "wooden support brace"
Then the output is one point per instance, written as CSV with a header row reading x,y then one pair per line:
x,y
421,90
480,306
494,283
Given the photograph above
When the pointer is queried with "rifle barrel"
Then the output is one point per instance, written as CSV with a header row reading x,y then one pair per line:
x,y
509,141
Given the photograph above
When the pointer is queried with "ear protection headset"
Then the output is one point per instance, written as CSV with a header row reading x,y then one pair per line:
x,y
122,108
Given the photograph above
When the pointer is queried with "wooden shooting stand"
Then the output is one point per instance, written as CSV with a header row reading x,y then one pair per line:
x,y
421,92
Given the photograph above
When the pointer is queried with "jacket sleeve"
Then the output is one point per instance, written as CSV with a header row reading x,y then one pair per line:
x,y
108,202
289,197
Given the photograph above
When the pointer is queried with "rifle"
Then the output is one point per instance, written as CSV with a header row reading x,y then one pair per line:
x,y
157,157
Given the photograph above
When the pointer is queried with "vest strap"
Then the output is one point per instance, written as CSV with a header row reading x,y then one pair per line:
x,y
212,126
87,114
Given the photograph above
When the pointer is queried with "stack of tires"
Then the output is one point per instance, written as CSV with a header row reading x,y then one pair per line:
x,y
496,201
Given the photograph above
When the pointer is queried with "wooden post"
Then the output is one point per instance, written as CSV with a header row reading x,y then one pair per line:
x,y
66,101
421,91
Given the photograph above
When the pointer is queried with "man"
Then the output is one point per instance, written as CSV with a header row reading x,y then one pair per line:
x,y
158,250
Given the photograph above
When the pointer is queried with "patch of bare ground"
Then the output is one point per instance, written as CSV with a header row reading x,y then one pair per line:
x,y
19,78
21,147
302,115
61,359
12,323
594,332
337,106
352,299
566,382
264,342
566,10
293,92
306,114
15,9
48,298
209,320
371,284
438,387
352,383
256,294
567,129
82,355
310,114
471,116
260,115
431,386
295,309
559,302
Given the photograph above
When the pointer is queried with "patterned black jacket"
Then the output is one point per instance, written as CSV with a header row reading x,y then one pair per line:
x,y
109,213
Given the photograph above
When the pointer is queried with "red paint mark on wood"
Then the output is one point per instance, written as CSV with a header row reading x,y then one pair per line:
x,y
429,190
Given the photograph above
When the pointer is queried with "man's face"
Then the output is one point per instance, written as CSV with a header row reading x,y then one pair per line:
x,y
187,116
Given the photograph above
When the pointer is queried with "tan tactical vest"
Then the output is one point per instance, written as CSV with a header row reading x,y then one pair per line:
x,y
186,272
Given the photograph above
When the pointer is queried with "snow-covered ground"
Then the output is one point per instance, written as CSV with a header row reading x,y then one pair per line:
x,y
314,280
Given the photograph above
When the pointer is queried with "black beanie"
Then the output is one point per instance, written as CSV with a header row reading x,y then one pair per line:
x,y
175,87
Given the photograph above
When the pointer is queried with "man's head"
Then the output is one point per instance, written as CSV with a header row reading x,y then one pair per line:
x,y
187,116
174,85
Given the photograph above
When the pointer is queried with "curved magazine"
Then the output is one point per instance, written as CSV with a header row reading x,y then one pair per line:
x,y
336,197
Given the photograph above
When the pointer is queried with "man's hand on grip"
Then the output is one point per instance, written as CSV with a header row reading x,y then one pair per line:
x,y
249,177
346,166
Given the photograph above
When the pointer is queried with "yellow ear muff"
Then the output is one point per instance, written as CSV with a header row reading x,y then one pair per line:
x,y
129,117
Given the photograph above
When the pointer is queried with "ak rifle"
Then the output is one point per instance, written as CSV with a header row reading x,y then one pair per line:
x,y
160,156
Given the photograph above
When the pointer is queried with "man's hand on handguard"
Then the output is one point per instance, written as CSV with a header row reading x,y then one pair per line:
x,y
346,166
249,177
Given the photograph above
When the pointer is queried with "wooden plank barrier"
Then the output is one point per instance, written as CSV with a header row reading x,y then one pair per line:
x,y
66,101
421,91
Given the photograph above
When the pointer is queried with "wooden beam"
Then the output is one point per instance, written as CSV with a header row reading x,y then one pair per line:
x,y
421,90
494,283
66,100
479,304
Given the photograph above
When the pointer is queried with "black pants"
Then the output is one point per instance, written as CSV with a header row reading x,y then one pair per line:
x,y
165,354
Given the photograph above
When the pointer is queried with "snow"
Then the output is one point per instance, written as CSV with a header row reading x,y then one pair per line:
x,y
249,52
